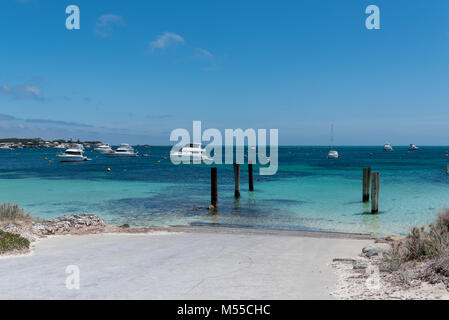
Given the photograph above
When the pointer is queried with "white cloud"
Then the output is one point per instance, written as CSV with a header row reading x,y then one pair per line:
x,y
165,40
5,89
106,23
22,92
200,52
32,90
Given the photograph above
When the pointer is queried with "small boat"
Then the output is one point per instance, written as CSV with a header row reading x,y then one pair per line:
x,y
124,151
5,147
413,147
103,148
73,154
332,154
388,147
191,152
60,146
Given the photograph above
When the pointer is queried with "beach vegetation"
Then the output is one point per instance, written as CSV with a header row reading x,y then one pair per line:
x,y
12,212
429,245
12,242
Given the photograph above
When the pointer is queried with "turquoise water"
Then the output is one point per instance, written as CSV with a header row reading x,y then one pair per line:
x,y
309,192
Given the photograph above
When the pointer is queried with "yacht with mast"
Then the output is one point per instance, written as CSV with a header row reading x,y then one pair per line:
x,y
388,147
332,154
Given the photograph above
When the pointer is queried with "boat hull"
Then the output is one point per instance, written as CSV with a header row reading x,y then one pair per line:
x,y
72,159
119,155
179,157
332,154
103,150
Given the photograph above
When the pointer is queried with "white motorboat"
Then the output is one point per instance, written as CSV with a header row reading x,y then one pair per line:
x,y
413,147
73,155
124,151
103,148
191,152
5,147
388,147
60,146
332,154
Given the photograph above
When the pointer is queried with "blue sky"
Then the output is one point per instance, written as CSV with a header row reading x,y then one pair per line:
x,y
138,69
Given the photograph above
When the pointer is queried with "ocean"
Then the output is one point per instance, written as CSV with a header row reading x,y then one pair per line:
x,y
309,192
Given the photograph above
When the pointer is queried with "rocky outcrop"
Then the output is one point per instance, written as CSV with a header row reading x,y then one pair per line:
x,y
68,224
76,223
375,250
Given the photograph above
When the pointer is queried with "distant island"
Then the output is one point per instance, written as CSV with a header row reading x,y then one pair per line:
x,y
41,143
13,143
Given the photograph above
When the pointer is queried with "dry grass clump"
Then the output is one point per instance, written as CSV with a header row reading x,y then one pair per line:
x,y
423,245
393,259
12,212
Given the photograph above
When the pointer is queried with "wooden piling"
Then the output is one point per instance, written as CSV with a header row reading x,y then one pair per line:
x,y
366,184
375,186
237,180
213,188
250,176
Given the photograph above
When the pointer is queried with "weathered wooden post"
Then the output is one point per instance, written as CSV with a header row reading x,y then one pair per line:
x,y
375,192
213,188
366,183
250,176
237,180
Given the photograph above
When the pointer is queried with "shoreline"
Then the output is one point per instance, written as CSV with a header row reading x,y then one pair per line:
x,y
117,230
85,224
276,232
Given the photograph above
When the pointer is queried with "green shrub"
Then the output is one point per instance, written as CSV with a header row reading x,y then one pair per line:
x,y
10,241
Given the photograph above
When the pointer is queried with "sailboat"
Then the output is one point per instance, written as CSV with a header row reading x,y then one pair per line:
x,y
388,147
332,154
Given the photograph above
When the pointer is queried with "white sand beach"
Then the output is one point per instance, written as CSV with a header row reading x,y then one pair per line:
x,y
191,263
